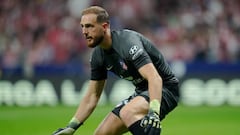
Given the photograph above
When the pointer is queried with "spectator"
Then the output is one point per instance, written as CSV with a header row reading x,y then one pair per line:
x,y
185,30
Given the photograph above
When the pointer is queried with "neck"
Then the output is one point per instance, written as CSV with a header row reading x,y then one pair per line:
x,y
107,42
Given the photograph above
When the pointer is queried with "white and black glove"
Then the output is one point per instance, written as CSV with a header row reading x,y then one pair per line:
x,y
151,122
73,125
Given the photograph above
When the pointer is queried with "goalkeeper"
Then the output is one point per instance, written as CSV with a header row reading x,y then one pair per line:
x,y
133,57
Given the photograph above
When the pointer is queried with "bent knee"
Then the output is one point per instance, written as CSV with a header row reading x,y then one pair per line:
x,y
100,132
135,110
111,130
97,132
111,125
104,131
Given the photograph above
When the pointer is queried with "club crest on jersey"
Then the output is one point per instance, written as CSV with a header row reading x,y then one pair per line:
x,y
135,51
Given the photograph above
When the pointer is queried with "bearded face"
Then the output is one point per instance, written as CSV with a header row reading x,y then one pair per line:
x,y
94,40
92,31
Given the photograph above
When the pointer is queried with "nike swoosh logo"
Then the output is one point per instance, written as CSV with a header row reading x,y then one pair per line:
x,y
109,68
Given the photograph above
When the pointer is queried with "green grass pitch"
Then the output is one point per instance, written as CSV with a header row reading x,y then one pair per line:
x,y
223,120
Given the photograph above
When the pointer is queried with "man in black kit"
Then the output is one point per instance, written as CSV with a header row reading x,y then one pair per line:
x,y
133,57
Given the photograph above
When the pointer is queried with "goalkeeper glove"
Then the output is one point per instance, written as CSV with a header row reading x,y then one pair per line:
x,y
151,122
73,125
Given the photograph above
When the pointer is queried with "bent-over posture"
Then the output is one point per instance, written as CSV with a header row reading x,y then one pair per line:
x,y
133,57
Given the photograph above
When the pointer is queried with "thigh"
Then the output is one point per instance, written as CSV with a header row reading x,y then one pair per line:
x,y
134,110
111,125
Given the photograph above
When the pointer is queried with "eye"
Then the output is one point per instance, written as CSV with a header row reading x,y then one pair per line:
x,y
89,25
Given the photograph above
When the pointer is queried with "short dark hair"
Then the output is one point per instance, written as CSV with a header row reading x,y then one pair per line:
x,y
102,14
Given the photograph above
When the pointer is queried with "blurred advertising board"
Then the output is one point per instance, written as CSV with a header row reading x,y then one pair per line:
x,y
196,88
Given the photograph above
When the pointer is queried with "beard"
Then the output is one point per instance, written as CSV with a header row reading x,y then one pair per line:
x,y
96,41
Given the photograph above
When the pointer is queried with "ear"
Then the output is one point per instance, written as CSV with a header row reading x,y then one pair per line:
x,y
105,25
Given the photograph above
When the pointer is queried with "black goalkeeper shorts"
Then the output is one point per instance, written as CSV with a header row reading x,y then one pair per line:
x,y
168,103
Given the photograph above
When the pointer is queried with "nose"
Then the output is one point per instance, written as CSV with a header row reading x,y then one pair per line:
x,y
84,30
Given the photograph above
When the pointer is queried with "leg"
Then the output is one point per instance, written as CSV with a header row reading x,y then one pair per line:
x,y
111,125
137,108
134,111
131,112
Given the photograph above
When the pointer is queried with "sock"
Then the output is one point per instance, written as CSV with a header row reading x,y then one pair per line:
x,y
136,129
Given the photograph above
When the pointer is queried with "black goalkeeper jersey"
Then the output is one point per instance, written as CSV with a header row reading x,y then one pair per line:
x,y
130,51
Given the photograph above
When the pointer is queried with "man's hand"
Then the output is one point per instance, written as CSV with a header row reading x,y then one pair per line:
x,y
64,131
151,122
73,125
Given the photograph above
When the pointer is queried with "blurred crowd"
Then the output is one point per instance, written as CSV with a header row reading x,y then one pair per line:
x,y
47,32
